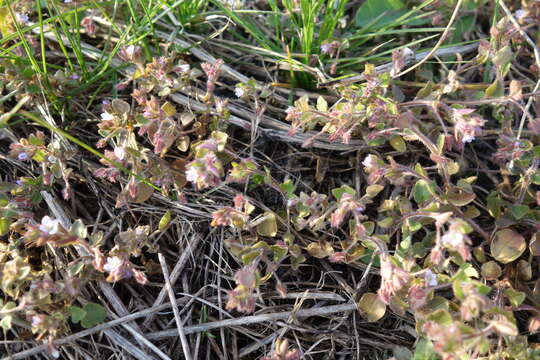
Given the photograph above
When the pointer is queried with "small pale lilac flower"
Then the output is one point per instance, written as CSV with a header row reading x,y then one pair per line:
x,y
183,68
239,92
106,116
369,161
431,278
23,18
192,174
37,320
521,14
325,48
467,138
52,159
49,225
452,239
22,156
113,263
130,50
120,152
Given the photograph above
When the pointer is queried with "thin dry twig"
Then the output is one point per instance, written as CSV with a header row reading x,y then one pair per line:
x,y
143,340
175,274
255,319
179,326
386,67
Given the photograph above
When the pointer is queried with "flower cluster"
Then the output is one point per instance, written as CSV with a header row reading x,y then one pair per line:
x,y
282,352
206,169
236,217
362,109
466,126
212,72
242,298
53,159
393,279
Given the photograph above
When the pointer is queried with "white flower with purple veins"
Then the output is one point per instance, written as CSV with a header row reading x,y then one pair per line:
x,y
467,138
37,320
371,163
49,225
22,156
521,14
239,92
192,174
183,68
120,152
325,48
453,239
52,159
113,263
130,50
23,18
431,278
106,116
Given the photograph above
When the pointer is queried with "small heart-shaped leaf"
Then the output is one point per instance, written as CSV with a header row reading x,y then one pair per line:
x,y
95,314
77,314
519,211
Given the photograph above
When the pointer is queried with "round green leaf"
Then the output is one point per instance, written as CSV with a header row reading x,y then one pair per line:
x,y
507,246
491,270
372,306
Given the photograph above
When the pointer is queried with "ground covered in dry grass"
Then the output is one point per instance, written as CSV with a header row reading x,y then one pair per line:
x,y
279,180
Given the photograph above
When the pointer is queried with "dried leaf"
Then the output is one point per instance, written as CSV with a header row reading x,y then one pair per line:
x,y
169,109
534,244
320,250
504,327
